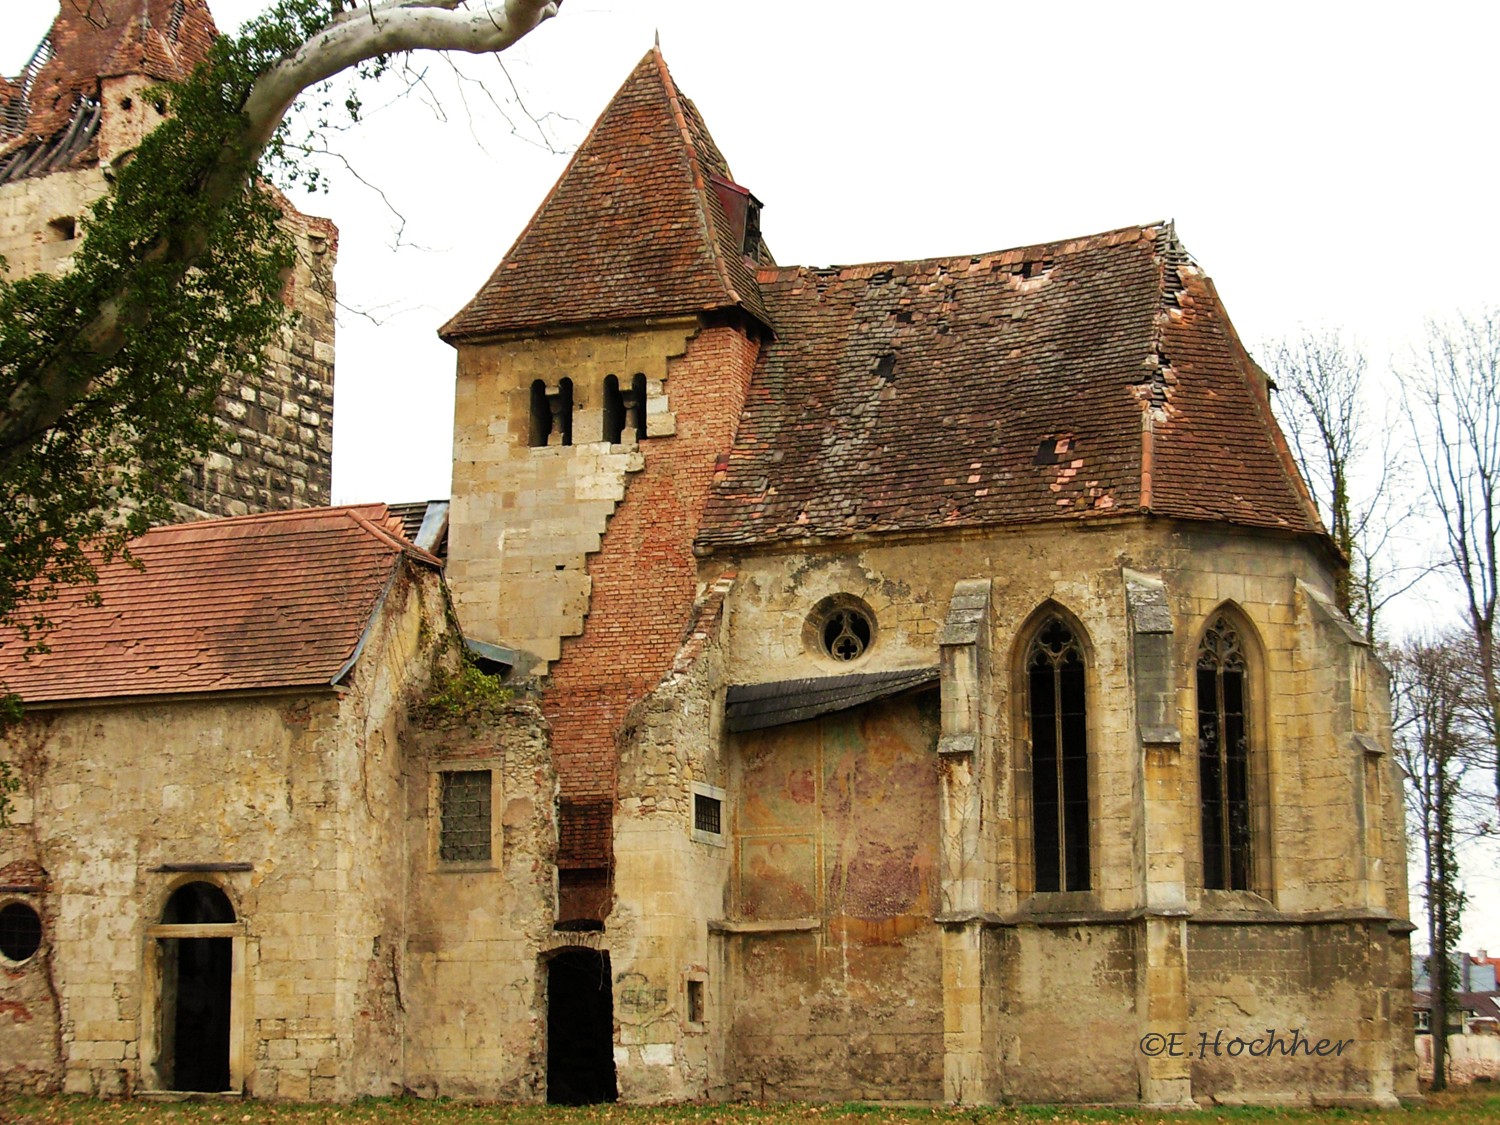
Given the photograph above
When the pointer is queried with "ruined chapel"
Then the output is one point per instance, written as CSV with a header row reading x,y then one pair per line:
x,y
922,682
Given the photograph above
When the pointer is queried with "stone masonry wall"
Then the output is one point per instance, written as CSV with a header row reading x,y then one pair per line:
x,y
472,990
670,880
298,799
278,451
582,554
523,520
1147,948
278,440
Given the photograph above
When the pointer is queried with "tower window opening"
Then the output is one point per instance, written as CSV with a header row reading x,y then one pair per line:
x,y
635,408
614,410
562,411
541,415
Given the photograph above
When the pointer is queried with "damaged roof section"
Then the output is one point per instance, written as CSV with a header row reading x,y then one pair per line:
x,y
49,114
757,706
649,186
1075,380
254,603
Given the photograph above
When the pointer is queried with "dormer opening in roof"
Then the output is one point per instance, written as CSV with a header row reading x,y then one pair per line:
x,y
742,210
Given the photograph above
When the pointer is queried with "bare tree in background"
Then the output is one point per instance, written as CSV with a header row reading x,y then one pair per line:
x,y
1436,700
1350,462
1453,398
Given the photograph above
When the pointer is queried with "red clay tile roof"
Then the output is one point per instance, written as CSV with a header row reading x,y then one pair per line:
x,y
161,39
632,229
258,602
1003,388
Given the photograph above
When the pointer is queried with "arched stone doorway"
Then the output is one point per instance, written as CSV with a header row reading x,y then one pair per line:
x,y
197,952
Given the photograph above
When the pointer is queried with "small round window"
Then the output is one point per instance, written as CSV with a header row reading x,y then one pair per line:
x,y
842,626
20,931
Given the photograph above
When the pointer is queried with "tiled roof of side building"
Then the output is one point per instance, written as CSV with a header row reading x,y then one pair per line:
x,y
632,229
1003,388
252,603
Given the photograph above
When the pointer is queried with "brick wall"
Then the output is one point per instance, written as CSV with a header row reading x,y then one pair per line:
x,y
644,579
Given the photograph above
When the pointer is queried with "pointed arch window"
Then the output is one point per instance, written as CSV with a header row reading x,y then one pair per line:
x,y
1058,721
1224,757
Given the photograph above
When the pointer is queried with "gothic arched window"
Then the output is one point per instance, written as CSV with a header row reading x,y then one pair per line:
x,y
1224,757
1059,759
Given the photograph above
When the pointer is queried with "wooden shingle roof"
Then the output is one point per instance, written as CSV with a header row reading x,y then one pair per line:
x,y
632,229
1078,380
254,603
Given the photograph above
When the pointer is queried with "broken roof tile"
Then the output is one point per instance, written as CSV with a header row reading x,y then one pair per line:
x,y
160,39
1002,388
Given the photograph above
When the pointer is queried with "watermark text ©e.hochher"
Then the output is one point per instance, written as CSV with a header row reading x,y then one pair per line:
x,y
1272,1044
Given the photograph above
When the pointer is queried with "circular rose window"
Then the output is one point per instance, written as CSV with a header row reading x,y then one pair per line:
x,y
842,626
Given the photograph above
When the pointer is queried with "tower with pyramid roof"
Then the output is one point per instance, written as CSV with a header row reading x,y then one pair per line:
x,y
77,110
602,369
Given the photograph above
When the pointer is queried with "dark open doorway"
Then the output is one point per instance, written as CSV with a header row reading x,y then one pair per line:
x,y
580,1029
196,977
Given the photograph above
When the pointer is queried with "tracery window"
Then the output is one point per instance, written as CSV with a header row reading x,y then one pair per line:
x,y
1058,721
1224,757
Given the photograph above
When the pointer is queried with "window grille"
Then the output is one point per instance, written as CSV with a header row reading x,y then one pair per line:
x,y
707,814
465,831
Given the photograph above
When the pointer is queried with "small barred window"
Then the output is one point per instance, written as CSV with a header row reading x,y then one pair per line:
x,y
707,813
465,833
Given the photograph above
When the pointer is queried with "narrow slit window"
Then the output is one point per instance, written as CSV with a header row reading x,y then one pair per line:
x,y
1059,759
1224,758
562,411
614,410
541,415
695,1001
638,403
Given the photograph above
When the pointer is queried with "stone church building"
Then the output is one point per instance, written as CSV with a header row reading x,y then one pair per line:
x,y
924,684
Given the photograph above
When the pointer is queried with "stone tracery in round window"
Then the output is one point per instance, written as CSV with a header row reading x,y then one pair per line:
x,y
846,634
842,626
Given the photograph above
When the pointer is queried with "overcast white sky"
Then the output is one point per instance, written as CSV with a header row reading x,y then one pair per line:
x,y
1327,163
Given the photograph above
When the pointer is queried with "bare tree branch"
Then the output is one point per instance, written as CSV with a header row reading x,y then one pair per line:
x,y
1453,400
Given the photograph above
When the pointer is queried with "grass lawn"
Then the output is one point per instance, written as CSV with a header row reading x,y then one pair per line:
x,y
1477,1105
